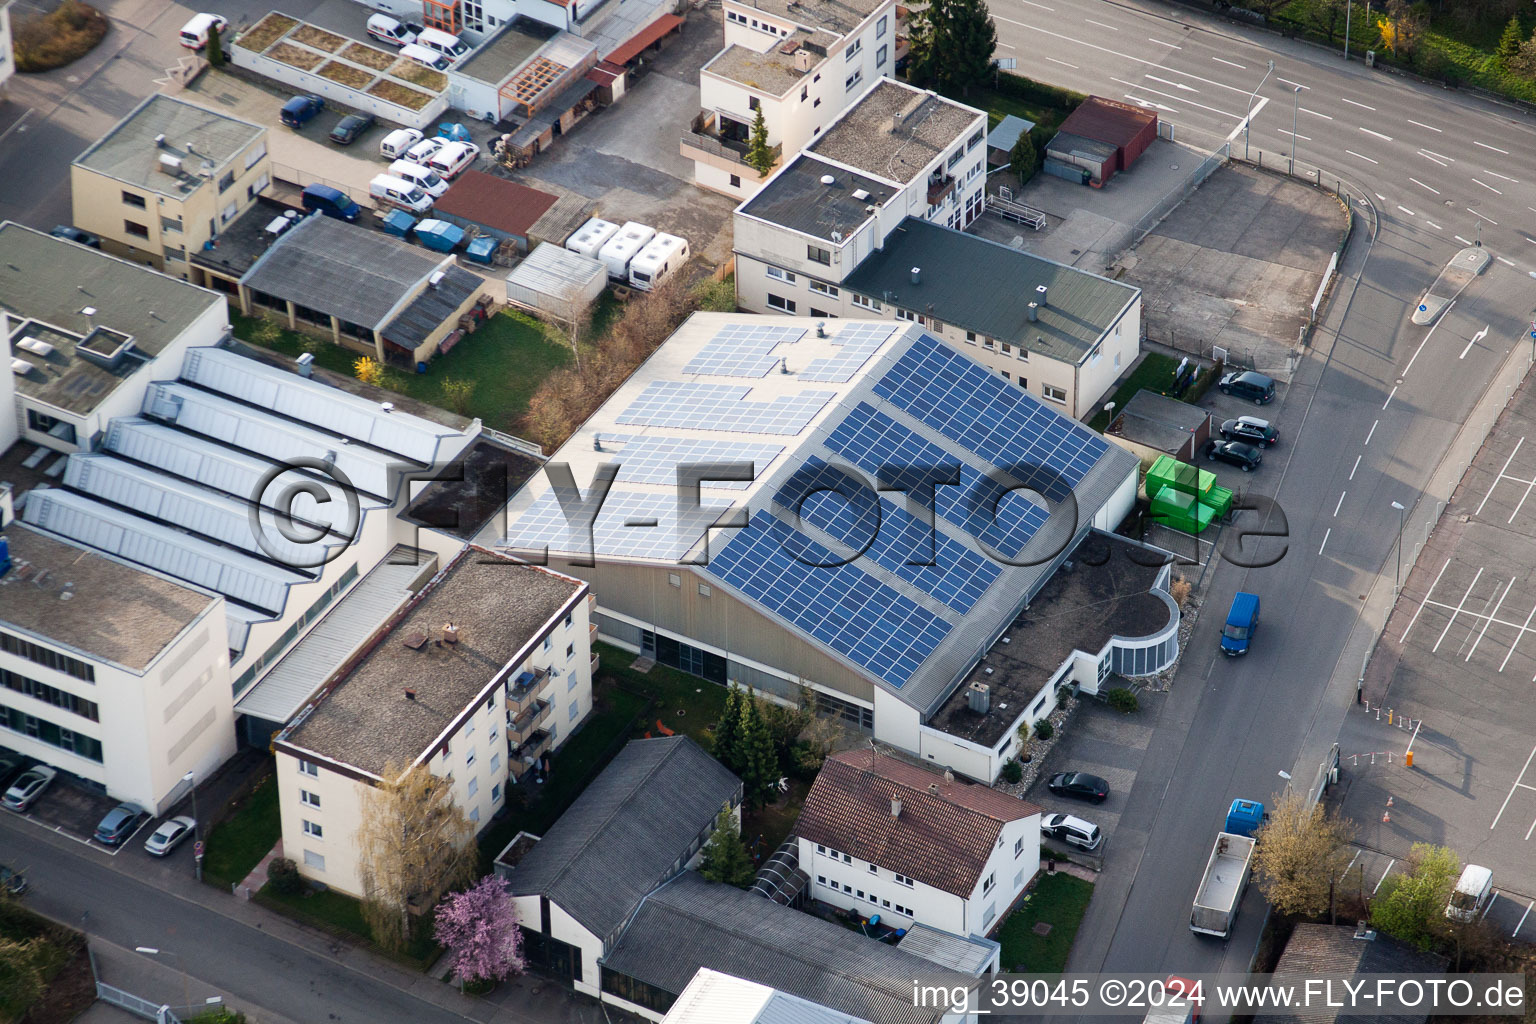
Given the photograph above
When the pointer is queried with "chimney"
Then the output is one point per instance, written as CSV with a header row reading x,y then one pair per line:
x,y
895,808
933,787
980,697
917,275
804,59
410,694
1034,312
888,126
450,633
1040,291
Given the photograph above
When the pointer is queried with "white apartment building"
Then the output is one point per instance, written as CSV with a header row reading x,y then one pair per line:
x,y
879,835
869,222
112,673
7,58
800,62
486,668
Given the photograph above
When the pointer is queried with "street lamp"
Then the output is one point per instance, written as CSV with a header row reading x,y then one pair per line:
x,y
1295,106
1398,578
186,984
1349,9
1248,121
197,827
1287,777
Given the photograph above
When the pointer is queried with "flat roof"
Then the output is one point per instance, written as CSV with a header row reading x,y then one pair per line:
x,y
773,70
92,603
1007,132
244,239
503,205
472,489
894,131
796,198
129,153
840,16
499,606
1109,121
508,50
1158,421
983,286
1107,593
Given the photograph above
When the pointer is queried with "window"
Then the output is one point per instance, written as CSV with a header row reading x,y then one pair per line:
x,y
1053,393
880,26
779,274
309,768
816,104
447,749
975,140
226,182
805,91
1006,376
903,880
547,643
987,885
496,791
885,903
1018,846
314,860
859,893
674,579
311,829
874,899
469,730
1024,354
906,911
821,288
753,103
229,213
735,181
474,814
575,710
954,158
474,785
493,736
571,679
135,229
970,337
136,201
570,651
309,799
874,870
816,254
49,694
1023,383
469,757
780,303
568,620
864,302
880,54
705,590
853,80
986,918
821,879
854,49
908,315
495,762
820,848
847,859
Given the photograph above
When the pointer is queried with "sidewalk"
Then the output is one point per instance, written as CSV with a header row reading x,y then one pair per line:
x,y
160,981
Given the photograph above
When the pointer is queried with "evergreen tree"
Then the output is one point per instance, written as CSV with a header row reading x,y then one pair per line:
x,y
215,46
759,153
1023,158
950,46
725,857
922,62
1514,35
759,768
728,731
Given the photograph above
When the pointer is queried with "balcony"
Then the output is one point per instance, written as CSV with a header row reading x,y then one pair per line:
x,y
521,728
939,188
526,753
595,662
592,633
709,143
523,690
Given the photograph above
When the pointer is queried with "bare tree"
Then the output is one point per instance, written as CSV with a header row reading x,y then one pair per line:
x,y
1300,854
414,844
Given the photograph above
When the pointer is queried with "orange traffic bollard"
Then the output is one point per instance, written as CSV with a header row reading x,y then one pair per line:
x,y
1408,759
1386,818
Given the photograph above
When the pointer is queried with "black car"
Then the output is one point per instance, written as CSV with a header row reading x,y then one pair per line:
x,y
1248,384
1251,430
74,234
350,127
1244,456
1079,784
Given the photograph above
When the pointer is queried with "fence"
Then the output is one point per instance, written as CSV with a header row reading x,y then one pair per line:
x,y
294,176
136,1005
513,442
1133,234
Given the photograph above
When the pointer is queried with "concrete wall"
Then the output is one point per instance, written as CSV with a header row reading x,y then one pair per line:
x,y
11,417
7,59
334,92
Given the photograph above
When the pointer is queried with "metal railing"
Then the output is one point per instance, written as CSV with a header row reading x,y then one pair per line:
x,y
136,1005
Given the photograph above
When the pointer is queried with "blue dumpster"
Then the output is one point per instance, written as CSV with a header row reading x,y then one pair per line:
x,y
398,223
439,235
481,249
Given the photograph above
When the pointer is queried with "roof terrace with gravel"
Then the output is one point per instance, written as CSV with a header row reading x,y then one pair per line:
x,y
393,703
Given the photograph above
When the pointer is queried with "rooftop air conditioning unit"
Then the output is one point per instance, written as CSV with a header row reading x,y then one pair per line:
x,y
980,697
170,164
861,194
828,180
804,60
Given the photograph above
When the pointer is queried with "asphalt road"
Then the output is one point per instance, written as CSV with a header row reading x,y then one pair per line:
x,y
1365,421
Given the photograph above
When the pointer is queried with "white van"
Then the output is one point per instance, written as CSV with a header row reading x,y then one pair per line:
x,y
388,30
662,257
452,157
394,145
591,237
391,191
194,34
450,46
624,246
422,55
423,178
1472,894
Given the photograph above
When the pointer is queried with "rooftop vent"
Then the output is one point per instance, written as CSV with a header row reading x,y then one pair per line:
x,y
861,194
436,278
917,275
386,407
1034,312
1364,933
1040,291
828,180
450,633
170,164
20,367
837,237
804,60
949,776
821,328
410,694
305,364
160,141
933,787
36,347
1007,639
104,346
979,696
895,808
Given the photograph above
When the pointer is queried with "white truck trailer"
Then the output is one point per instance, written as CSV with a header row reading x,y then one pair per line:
x,y
1221,889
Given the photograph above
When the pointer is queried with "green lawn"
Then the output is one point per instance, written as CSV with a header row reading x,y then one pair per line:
x,y
699,701
334,912
237,844
1059,900
1154,373
507,359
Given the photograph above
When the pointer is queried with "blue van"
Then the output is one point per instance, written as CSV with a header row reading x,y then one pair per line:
x,y
331,202
1242,620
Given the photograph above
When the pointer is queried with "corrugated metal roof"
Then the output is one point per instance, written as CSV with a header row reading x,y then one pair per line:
x,y
953,952
314,403
555,271
282,692
716,998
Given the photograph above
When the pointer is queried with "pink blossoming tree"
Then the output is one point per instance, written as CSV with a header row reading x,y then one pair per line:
x,y
479,929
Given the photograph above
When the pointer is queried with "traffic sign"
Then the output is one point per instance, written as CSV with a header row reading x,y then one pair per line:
x,y
197,849
1422,307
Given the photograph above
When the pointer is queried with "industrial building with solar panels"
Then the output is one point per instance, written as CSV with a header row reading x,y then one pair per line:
x,y
817,569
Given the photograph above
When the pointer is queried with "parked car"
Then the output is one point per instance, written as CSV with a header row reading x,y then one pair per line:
x,y
1244,456
1252,430
1236,636
330,201
74,234
388,190
25,790
169,835
119,824
194,34
1080,785
451,159
301,110
445,43
423,178
12,881
388,30
1072,830
423,150
427,58
350,127
394,145
1248,384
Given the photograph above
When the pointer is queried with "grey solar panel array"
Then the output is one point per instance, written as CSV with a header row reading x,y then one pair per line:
x,y
631,524
856,343
645,459
705,406
743,350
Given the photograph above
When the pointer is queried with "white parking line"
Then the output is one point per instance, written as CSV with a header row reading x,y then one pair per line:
x,y
1303,138
1485,145
1512,789
1362,156
1372,432
1524,628
1439,158
1463,241
1406,210
1063,63
1490,904
1352,864
1489,621
1501,259
1499,477
1389,398
1176,85
1432,224
1422,604
1522,918
1181,99
1356,466
1479,216
1421,124
1326,534
1352,103
1340,504
1159,42
1384,875
1451,621
1419,183
1298,85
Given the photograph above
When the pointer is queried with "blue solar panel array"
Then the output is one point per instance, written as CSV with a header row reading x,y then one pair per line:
x,y
871,440
855,344
544,525
704,406
743,350
843,607
647,459
1005,426
929,560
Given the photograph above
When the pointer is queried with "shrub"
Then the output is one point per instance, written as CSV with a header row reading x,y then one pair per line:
x,y
283,875
805,762
1123,701
61,37
367,370
1179,590
1013,772
1044,730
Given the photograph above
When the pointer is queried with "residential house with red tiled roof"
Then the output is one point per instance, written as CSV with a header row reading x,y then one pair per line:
x,y
880,835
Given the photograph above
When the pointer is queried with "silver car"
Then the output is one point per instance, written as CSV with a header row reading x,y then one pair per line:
x,y
1072,830
169,835
25,790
